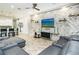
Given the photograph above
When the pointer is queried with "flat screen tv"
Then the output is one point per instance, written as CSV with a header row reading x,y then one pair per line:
x,y
48,22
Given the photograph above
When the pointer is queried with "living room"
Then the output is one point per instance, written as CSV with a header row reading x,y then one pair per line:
x,y
37,29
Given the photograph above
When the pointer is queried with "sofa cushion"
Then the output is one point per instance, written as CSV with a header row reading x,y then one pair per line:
x,y
7,46
14,40
3,38
62,41
64,49
2,45
15,50
20,42
51,50
74,37
58,45
71,48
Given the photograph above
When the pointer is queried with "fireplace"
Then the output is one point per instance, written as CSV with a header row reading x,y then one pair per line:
x,y
45,34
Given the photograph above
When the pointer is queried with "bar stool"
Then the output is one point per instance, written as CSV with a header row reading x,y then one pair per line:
x,y
11,32
3,32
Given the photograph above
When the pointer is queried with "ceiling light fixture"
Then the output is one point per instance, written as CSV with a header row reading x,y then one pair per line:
x,y
12,6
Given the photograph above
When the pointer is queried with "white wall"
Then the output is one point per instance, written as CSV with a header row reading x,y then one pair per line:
x,y
26,24
64,28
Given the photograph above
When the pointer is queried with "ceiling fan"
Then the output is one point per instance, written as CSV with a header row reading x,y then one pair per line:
x,y
34,6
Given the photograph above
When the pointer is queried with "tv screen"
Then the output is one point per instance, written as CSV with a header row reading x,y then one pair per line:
x,y
48,22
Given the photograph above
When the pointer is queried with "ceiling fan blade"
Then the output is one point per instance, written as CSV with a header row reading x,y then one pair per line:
x,y
27,8
37,9
34,5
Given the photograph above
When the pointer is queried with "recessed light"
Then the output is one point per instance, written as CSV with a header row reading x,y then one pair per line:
x,y
12,6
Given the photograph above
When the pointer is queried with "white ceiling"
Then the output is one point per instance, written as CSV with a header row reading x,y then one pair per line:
x,y
42,6
5,8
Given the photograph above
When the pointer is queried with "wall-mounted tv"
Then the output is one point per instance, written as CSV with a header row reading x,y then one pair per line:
x,y
48,22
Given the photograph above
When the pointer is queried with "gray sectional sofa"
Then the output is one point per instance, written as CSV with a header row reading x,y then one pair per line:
x,y
56,48
3,38
66,45
12,46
